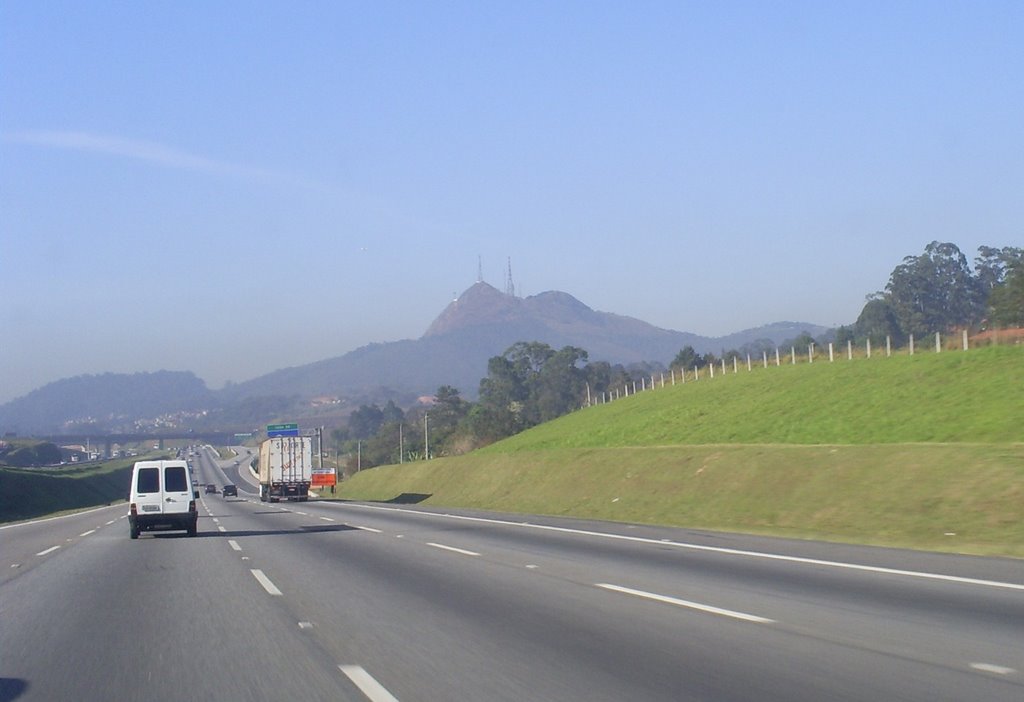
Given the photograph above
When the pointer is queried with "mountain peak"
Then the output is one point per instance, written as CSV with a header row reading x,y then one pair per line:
x,y
480,304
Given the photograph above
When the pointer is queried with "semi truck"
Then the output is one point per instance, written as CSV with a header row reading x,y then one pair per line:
x,y
285,468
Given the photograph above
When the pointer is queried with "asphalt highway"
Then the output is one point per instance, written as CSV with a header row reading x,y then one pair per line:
x,y
348,601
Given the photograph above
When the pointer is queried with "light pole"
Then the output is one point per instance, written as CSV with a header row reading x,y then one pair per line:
x,y
426,437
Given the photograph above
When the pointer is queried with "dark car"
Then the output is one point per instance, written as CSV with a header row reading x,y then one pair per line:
x,y
211,488
229,490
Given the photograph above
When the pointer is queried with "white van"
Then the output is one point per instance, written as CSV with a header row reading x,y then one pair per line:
x,y
162,497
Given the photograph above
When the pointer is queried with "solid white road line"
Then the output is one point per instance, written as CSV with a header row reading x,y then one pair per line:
x,y
373,690
63,516
711,549
265,582
453,549
685,603
234,545
49,550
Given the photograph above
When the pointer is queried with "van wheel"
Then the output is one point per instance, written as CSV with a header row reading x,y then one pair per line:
x,y
192,529
133,532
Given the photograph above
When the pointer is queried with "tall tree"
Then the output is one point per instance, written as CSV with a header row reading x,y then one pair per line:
x,y
876,322
686,358
1007,300
559,386
935,291
365,421
992,265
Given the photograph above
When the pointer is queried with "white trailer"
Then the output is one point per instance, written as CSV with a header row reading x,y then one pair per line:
x,y
286,468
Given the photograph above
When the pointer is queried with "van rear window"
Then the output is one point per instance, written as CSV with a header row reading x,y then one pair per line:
x,y
149,480
175,479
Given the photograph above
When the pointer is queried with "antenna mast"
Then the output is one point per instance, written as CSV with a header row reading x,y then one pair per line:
x,y
510,288
479,269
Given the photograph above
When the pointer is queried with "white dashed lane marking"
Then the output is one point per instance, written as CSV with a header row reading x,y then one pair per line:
x,y
686,603
463,551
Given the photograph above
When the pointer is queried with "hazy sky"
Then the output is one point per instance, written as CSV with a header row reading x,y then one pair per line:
x,y
235,187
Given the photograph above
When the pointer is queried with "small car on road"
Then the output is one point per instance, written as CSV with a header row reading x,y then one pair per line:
x,y
211,488
229,490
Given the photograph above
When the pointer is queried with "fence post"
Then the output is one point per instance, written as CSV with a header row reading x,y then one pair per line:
x,y
831,358
810,353
867,346
938,343
849,349
712,367
792,354
965,339
696,374
748,362
673,377
777,361
911,344
764,356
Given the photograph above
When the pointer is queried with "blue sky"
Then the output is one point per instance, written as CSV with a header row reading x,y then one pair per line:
x,y
235,187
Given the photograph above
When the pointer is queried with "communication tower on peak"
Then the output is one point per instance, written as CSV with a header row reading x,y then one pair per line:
x,y
479,269
510,288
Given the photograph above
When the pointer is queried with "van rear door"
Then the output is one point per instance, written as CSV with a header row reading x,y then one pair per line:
x,y
177,490
148,490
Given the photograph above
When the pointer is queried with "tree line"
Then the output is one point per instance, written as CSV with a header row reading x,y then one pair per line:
x,y
531,382
938,291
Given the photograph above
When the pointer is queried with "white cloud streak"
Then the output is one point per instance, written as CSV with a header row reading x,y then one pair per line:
x,y
151,152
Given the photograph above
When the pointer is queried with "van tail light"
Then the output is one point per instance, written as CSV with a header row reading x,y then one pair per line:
x,y
134,510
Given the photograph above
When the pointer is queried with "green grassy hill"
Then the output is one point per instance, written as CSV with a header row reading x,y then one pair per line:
x,y
923,451
27,493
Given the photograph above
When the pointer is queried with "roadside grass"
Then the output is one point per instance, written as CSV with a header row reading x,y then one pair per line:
x,y
921,452
27,493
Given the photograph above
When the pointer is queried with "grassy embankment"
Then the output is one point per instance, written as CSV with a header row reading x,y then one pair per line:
x,y
26,493
922,452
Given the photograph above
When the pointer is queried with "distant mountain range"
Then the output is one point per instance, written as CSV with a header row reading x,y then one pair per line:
x,y
481,323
